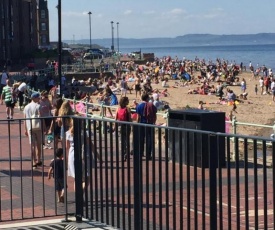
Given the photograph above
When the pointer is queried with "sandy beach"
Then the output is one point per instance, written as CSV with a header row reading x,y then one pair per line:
x,y
257,109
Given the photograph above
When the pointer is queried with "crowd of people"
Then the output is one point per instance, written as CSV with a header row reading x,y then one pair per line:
x,y
149,84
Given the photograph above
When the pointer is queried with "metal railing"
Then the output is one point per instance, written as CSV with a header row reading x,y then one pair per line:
x,y
164,114
185,180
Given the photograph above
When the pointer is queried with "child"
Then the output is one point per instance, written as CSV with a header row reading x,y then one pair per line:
x,y
200,105
57,168
256,89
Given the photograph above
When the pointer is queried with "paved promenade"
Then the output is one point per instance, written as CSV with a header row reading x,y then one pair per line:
x,y
172,195
25,193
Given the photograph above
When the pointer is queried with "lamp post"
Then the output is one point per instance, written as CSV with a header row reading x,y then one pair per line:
x,y
112,29
90,29
59,47
117,24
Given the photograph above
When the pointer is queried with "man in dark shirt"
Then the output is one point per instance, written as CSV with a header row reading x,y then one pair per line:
x,y
146,112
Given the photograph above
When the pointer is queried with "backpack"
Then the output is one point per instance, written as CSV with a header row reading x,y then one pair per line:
x,y
150,112
123,114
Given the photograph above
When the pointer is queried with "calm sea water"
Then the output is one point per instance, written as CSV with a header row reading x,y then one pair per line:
x,y
257,54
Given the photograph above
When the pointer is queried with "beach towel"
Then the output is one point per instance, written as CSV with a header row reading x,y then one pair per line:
x,y
80,108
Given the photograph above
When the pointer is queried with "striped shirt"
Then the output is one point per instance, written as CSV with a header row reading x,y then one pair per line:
x,y
7,92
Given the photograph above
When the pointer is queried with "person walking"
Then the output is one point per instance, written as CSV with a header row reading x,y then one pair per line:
x,y
113,100
31,111
4,78
243,85
57,170
63,121
45,111
123,87
55,128
137,85
8,95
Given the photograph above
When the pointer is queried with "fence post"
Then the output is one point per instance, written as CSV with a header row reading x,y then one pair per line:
x,y
87,107
101,111
78,172
137,180
212,182
74,102
234,125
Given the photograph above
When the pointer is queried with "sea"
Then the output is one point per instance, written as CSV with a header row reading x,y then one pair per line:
x,y
258,55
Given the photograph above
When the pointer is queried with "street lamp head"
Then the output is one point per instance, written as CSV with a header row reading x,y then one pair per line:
x,y
112,22
89,12
117,23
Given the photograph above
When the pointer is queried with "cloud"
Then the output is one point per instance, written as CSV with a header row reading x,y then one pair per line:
x,y
176,11
214,13
149,12
211,14
73,14
127,12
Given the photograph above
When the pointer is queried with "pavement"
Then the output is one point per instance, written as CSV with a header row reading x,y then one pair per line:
x,y
27,198
57,224
172,194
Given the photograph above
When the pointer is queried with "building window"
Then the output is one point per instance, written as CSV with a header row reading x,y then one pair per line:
x,y
43,39
43,26
43,14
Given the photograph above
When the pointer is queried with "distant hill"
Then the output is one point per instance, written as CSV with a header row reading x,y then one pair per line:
x,y
246,39
187,40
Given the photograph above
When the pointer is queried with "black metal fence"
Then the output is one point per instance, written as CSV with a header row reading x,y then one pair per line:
x,y
146,177
180,179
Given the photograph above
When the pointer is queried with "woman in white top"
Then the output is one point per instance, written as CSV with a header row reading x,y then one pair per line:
x,y
261,85
22,89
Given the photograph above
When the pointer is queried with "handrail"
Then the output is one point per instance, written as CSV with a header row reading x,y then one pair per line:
x,y
102,106
234,123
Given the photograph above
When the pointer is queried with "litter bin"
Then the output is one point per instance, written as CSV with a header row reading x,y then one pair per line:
x,y
196,147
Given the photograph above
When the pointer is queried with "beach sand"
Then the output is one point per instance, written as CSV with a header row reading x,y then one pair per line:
x,y
257,109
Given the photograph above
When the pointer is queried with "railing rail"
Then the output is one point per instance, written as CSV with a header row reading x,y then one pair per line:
x,y
186,180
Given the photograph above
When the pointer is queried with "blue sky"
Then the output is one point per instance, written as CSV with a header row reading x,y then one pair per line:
x,y
161,18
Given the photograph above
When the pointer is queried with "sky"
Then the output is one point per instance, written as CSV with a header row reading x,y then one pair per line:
x,y
160,18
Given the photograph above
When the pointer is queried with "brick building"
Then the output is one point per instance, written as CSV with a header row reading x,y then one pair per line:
x,y
43,24
21,29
